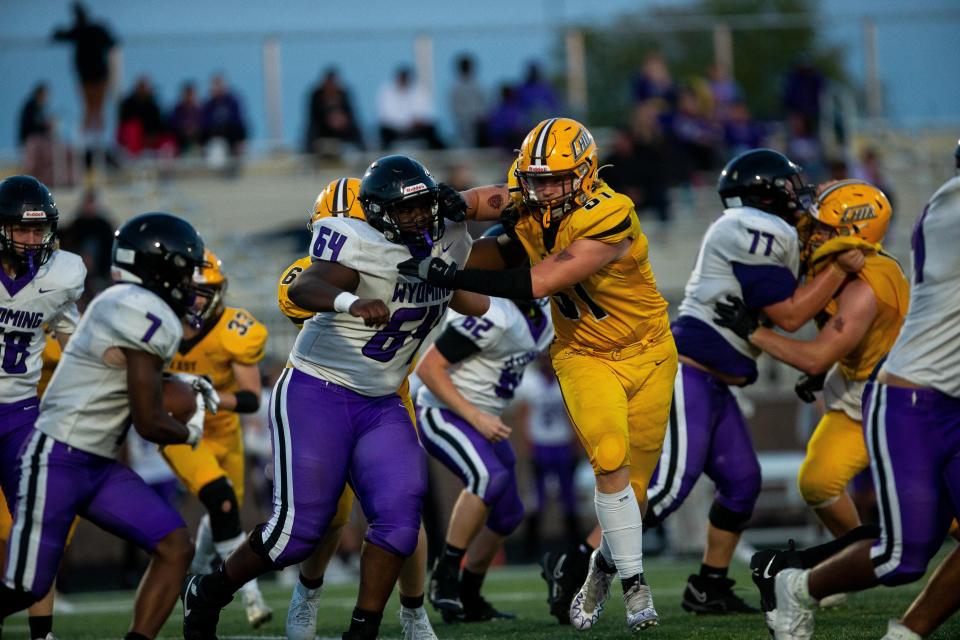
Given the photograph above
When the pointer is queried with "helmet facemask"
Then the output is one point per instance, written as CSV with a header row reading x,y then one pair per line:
x,y
27,257
553,193
414,222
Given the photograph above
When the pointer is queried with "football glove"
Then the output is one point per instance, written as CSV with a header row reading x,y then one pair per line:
x,y
452,205
736,316
432,270
195,424
807,385
207,396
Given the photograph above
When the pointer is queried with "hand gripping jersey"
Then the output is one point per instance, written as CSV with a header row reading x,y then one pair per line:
x,y
296,315
338,347
927,352
508,341
745,253
235,336
843,386
48,299
87,404
617,306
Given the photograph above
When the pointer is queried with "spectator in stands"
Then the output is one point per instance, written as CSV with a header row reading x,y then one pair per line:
x,y
469,105
804,148
90,236
404,112
696,135
93,42
35,135
653,82
741,132
140,123
802,90
222,118
186,120
652,153
506,125
726,93
331,120
537,97
870,168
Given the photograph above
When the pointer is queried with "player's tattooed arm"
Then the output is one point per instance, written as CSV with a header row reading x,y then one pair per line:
x,y
144,381
574,264
486,203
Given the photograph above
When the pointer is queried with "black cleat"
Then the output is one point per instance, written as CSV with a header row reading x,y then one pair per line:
x,y
764,566
200,616
444,591
713,596
564,573
479,610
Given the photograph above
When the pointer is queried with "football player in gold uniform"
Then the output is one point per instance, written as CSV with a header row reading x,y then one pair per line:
x,y
614,354
227,347
339,199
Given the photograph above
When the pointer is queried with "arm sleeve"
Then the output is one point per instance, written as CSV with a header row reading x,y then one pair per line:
x,y
145,327
66,321
454,346
764,284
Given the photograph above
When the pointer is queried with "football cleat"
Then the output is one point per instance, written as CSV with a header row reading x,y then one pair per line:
x,y
200,616
444,591
478,610
764,566
638,601
794,619
415,625
588,604
897,631
564,573
302,614
713,596
258,613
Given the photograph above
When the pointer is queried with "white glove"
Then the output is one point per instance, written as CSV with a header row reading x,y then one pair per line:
x,y
209,399
195,423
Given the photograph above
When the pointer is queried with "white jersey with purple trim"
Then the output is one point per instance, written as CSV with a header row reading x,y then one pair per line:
x,y
508,342
549,424
87,405
927,352
338,347
742,235
48,299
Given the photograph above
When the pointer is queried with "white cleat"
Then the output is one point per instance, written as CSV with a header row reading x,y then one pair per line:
x,y
794,606
302,614
588,603
836,600
258,613
415,625
638,602
49,636
897,631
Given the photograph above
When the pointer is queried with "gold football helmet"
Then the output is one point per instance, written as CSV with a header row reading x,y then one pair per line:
x,y
557,168
210,284
338,199
854,208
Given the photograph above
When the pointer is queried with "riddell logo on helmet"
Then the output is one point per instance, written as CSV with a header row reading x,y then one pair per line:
x,y
856,214
34,215
538,168
414,188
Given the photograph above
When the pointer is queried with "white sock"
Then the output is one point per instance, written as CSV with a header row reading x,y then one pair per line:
x,y
204,545
225,548
622,525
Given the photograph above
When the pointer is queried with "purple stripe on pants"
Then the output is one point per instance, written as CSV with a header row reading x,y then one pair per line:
x,y
326,436
913,436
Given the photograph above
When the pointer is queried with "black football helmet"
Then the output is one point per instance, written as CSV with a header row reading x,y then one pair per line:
x,y
25,201
395,185
767,180
160,252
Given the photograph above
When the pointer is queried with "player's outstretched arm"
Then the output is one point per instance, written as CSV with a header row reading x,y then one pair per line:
x,y
486,203
328,286
501,252
809,299
144,382
857,307
469,303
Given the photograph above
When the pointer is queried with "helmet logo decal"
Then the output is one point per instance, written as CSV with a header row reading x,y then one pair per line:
x,y
126,256
414,188
855,214
580,144
34,215
538,168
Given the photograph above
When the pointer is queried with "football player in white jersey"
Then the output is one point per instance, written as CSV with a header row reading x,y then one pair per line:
x,y
912,428
108,380
41,286
752,251
469,376
336,415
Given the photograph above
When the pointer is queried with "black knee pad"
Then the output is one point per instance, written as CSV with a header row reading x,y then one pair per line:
x,y
727,520
221,502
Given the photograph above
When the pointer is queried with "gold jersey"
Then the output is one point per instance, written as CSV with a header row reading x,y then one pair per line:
x,y
619,305
892,291
296,315
50,357
234,337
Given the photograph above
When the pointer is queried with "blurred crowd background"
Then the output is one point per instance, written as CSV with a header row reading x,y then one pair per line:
x,y
236,116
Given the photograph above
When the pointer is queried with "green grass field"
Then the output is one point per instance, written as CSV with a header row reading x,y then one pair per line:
x,y
519,590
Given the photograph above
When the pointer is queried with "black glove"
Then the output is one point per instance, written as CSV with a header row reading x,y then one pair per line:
x,y
452,205
432,270
509,218
807,385
736,316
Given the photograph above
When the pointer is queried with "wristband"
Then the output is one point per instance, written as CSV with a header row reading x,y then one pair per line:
x,y
342,302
